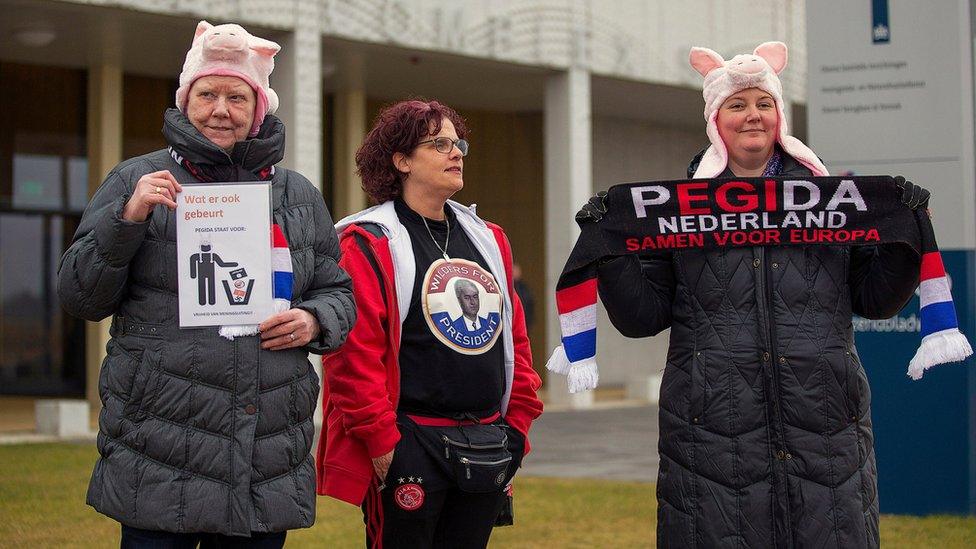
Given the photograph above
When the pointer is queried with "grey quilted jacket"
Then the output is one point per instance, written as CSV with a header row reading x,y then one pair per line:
x,y
765,423
198,433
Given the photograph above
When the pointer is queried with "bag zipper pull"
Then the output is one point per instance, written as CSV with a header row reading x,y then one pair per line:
x,y
447,447
467,468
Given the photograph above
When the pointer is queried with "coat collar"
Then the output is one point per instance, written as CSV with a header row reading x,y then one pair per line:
x,y
253,154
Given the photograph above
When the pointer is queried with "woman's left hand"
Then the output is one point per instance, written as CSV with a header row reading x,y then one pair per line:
x,y
912,195
288,329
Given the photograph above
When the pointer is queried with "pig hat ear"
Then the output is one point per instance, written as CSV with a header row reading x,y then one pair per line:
x,y
264,47
202,27
705,60
774,53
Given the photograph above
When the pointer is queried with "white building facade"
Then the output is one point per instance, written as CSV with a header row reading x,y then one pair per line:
x,y
563,97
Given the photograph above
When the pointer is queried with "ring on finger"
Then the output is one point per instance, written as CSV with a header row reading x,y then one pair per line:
x,y
159,189
291,336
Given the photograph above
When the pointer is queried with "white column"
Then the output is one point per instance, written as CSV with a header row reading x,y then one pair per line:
x,y
349,131
105,80
568,180
350,128
297,79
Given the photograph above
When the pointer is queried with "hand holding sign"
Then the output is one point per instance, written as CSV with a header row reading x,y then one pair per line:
x,y
288,329
151,189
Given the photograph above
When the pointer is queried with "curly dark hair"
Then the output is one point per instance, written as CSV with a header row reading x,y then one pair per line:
x,y
399,128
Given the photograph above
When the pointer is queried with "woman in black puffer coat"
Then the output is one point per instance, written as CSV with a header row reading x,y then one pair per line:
x,y
765,424
202,437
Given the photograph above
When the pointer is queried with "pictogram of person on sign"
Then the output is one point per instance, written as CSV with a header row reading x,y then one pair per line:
x,y
202,269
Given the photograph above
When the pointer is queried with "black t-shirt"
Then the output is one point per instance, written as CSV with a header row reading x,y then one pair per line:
x,y
452,359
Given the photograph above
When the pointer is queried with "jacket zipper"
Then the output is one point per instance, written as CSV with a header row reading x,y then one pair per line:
x,y
247,150
780,441
394,320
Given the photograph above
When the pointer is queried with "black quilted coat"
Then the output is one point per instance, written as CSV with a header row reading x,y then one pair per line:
x,y
765,423
198,433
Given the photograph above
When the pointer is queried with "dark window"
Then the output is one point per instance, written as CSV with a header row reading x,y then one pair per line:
x,y
43,191
145,99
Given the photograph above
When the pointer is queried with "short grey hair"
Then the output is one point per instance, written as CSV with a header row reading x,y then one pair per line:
x,y
461,284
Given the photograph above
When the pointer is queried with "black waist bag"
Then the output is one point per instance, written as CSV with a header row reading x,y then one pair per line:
x,y
476,456
480,457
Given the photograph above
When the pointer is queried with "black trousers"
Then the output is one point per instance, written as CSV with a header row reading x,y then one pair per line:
x,y
419,505
137,538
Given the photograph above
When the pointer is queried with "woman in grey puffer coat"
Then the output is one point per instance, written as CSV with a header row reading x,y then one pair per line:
x,y
200,434
765,420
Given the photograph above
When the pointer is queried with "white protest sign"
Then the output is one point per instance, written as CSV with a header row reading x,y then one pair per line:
x,y
223,247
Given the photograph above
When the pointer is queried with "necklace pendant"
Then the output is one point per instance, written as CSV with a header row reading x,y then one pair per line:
x,y
447,239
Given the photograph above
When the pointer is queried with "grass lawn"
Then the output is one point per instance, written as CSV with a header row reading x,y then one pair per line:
x,y
42,495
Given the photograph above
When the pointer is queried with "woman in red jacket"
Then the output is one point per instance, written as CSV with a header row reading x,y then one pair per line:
x,y
428,404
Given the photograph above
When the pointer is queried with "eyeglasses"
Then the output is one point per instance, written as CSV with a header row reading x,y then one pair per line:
x,y
445,145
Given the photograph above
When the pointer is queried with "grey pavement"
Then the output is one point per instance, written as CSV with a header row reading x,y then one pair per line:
x,y
617,443
605,442
602,443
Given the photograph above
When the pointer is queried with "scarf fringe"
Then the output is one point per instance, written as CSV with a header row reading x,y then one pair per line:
x,y
939,348
558,362
242,330
230,332
583,376
580,376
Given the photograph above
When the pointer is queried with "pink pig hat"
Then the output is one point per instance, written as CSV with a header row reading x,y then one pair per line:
x,y
229,50
725,78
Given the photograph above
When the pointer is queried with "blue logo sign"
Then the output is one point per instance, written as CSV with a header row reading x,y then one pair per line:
x,y
880,31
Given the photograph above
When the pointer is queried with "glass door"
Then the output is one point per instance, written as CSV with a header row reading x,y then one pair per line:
x,y
43,191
